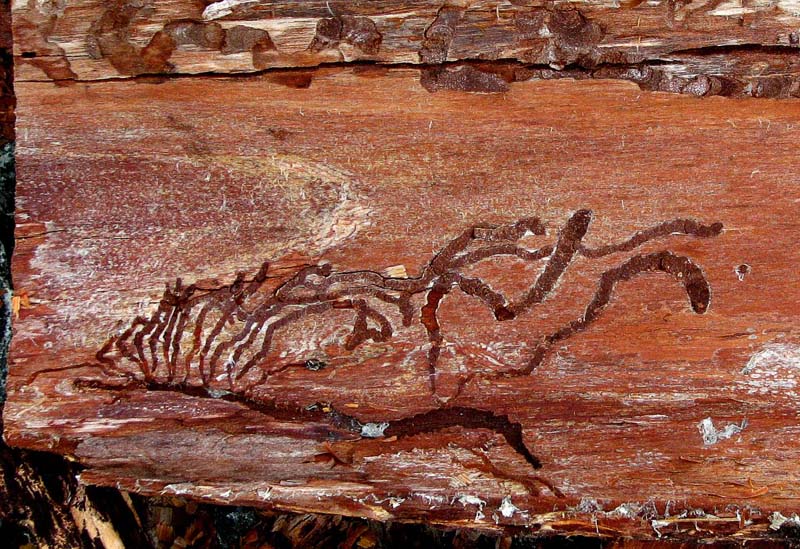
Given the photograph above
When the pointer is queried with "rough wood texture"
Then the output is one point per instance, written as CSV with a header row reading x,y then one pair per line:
x,y
562,305
360,191
697,47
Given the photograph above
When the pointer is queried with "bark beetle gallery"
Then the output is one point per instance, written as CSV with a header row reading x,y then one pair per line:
x,y
221,343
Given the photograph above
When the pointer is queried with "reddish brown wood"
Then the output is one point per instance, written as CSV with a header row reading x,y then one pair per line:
x,y
128,186
565,306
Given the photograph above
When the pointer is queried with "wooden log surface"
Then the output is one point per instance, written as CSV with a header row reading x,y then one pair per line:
x,y
704,47
568,306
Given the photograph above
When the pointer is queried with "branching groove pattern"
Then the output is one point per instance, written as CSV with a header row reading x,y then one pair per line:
x,y
221,342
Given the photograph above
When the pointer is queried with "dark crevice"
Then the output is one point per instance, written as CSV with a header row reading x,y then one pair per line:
x,y
736,49
364,65
496,76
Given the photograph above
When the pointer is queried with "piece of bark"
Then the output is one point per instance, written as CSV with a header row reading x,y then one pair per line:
x,y
698,48
579,388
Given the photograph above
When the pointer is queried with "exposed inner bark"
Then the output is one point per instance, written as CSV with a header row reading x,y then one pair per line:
x,y
702,50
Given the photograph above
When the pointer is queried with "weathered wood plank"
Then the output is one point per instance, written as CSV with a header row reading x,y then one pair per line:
x,y
699,48
417,369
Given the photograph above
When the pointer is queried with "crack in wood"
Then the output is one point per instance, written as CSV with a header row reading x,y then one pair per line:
x,y
538,43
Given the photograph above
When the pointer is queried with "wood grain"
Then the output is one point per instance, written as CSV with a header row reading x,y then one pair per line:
x,y
697,48
646,381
